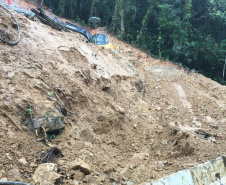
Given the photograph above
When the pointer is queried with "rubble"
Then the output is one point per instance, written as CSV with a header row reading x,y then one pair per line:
x,y
121,123
46,173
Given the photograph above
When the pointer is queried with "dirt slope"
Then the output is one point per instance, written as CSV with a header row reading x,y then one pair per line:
x,y
132,118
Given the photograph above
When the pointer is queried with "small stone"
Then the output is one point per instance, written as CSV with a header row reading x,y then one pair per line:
x,y
129,183
78,175
113,178
162,163
46,183
86,180
9,156
164,142
197,123
214,126
97,173
121,110
124,178
33,165
14,172
3,172
102,180
135,125
74,182
79,164
158,153
22,161
2,135
158,108
153,176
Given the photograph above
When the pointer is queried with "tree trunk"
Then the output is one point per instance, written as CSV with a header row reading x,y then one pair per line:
x,y
63,9
122,17
224,69
144,22
114,18
91,8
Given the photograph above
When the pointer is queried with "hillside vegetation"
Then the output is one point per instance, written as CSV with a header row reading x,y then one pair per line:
x,y
191,33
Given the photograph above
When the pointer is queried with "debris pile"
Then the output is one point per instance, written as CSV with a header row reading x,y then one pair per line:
x,y
126,118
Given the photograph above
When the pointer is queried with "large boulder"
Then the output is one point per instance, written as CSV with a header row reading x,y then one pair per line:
x,y
46,173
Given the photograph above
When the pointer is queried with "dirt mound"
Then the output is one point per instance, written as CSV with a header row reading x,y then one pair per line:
x,y
8,27
128,117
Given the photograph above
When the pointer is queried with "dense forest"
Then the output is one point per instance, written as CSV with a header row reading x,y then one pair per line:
x,y
191,33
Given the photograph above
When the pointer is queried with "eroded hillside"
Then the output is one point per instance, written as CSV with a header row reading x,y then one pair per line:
x,y
130,117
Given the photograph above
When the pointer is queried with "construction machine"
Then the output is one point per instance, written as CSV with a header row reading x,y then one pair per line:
x,y
99,39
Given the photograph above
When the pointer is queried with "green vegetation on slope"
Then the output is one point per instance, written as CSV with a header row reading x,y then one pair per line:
x,y
189,32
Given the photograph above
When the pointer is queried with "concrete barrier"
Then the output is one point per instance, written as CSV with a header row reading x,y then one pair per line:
x,y
212,172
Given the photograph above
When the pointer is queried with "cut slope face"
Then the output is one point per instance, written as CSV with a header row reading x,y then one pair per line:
x,y
131,118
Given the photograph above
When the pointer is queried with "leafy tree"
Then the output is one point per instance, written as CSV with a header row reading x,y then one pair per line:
x,y
190,32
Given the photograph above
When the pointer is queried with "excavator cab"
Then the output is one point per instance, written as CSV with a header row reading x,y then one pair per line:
x,y
103,40
100,39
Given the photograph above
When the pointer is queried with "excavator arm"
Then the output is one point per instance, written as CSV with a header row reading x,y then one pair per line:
x,y
97,39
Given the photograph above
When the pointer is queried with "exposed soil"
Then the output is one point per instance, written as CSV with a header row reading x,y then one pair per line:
x,y
130,117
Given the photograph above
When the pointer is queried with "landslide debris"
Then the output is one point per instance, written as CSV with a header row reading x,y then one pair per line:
x,y
130,118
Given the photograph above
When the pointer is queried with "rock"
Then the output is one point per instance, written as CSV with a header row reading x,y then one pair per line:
x,y
46,173
113,178
159,153
125,178
78,175
3,172
79,164
85,180
51,123
121,110
46,183
129,183
74,182
153,176
22,161
14,172
214,126
103,180
158,108
97,173
161,163
38,122
3,179
164,142
197,123
9,156
33,165
2,135
25,128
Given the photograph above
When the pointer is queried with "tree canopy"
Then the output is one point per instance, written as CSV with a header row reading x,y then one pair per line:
x,y
191,33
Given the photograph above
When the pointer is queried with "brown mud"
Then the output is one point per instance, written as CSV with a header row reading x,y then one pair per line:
x,y
131,117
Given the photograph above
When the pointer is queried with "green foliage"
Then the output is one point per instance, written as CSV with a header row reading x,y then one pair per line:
x,y
189,32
